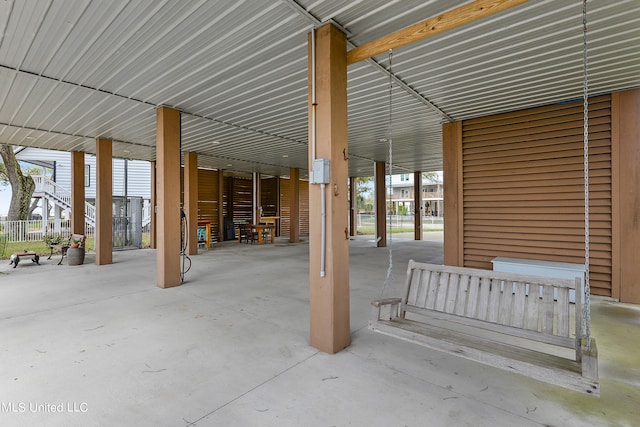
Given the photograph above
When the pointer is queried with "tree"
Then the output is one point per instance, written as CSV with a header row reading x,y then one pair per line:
x,y
22,186
363,184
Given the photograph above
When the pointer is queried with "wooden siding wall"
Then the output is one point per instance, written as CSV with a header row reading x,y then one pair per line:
x,y
208,200
242,200
269,196
242,194
522,187
285,208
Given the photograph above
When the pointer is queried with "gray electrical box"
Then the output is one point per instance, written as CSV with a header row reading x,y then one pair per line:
x,y
320,173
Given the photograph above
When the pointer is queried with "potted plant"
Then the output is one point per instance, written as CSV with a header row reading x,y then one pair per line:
x,y
53,239
75,243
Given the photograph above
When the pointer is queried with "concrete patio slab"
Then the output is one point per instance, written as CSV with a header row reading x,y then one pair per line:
x,y
103,346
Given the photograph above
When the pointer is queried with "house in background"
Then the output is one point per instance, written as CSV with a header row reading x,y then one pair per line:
x,y
402,198
131,191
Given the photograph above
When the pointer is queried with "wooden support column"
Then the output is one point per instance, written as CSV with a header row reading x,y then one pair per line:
x,y
154,202
104,202
221,205
417,205
168,188
230,197
381,204
625,117
453,215
191,200
329,295
353,205
294,208
77,192
257,191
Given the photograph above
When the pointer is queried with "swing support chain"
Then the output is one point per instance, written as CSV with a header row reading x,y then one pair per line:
x,y
587,286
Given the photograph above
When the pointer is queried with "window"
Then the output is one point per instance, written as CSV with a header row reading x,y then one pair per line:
x,y
404,192
404,177
87,175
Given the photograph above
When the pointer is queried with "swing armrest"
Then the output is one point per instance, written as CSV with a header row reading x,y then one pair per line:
x,y
385,301
379,303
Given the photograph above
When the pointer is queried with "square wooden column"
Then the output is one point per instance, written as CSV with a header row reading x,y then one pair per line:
x,y
353,205
452,170
168,194
255,197
77,192
381,204
154,202
104,202
329,295
294,211
417,205
191,201
221,205
625,121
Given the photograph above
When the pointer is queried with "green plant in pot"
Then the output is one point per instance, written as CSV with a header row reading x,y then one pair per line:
x,y
53,239
75,243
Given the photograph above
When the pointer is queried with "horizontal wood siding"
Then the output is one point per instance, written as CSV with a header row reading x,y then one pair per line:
x,y
269,196
208,200
523,190
304,208
285,208
242,200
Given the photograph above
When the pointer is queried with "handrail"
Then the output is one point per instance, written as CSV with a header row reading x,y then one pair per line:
x,y
61,195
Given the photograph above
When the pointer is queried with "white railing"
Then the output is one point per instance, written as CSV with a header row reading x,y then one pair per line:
x,y
90,213
62,196
33,231
51,188
146,214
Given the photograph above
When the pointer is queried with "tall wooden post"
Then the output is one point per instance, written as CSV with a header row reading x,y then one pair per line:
x,y
221,205
353,205
625,112
168,187
154,201
294,206
191,201
77,192
381,204
329,295
104,202
452,169
417,205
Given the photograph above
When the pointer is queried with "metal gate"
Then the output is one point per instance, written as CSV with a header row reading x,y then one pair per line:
x,y
127,222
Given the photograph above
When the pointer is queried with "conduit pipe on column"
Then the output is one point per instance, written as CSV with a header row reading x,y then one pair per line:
x,y
323,201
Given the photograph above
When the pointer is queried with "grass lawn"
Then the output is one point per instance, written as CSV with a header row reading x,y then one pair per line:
x,y
41,248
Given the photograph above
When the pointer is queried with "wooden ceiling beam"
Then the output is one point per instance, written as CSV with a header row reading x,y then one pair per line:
x,y
470,12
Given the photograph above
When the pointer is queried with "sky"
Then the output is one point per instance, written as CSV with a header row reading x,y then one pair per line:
x,y
5,199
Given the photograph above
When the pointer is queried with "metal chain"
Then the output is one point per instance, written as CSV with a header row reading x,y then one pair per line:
x,y
585,104
389,279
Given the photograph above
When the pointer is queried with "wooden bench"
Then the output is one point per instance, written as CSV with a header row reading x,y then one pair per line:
x,y
17,256
505,320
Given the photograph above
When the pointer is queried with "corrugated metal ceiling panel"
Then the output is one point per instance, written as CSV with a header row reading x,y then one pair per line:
x,y
73,70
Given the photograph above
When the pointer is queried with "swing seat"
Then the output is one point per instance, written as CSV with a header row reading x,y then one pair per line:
x,y
509,321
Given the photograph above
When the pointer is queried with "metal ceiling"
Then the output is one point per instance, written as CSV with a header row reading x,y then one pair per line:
x,y
74,70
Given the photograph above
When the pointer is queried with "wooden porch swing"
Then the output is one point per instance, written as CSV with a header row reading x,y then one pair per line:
x,y
514,322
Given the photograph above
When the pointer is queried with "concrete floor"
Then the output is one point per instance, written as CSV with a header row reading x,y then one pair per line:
x,y
86,345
